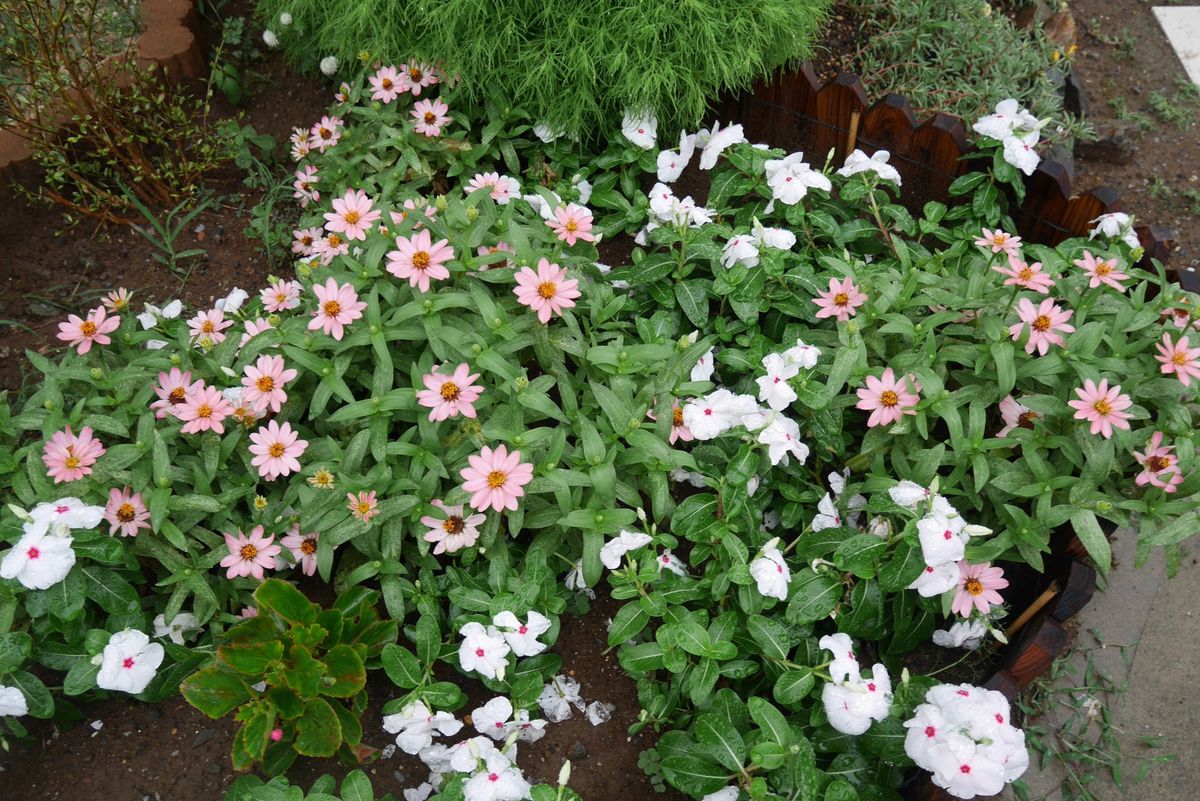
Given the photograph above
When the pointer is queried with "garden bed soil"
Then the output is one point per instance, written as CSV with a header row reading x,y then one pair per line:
x,y
172,752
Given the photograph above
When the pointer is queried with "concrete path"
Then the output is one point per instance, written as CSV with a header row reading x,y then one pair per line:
x,y
1160,619
1181,24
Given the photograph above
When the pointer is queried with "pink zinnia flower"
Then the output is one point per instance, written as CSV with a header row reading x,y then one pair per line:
x,y
330,247
69,457
1102,406
453,532
326,133
571,223
83,332
117,300
503,187
841,301
203,410
496,478
977,585
304,243
352,215
410,206
1015,416
1102,271
1028,276
301,143
429,116
888,399
999,241
172,390
126,512
487,250
281,295
209,325
248,612
249,555
363,505
1160,467
1177,358
450,395
337,307
418,259
253,329
547,291
303,548
303,185
419,77
277,450
387,85
264,382
679,429
1045,321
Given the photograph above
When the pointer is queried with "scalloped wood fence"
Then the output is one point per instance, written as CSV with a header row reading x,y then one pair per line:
x,y
794,110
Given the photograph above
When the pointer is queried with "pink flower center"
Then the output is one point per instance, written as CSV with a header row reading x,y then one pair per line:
x,y
128,663
965,769
499,725
708,412
523,630
33,553
62,510
479,652
930,731
493,777
871,686
1000,718
948,534
928,569
964,693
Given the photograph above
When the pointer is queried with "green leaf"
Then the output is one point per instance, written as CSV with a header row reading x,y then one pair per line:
x,y
15,647
114,594
285,600
345,667
641,658
693,638
81,678
770,720
429,639
629,620
722,741
215,692
401,666
793,686
250,658
37,696
814,596
771,635
357,787
693,300
694,775
1087,528
318,731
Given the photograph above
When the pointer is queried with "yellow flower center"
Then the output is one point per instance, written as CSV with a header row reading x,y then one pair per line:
x,y
72,462
204,410
889,398
207,326
126,513
334,241
973,586
277,449
309,546
548,289
351,217
841,299
1158,463
999,238
450,391
415,74
571,226
1041,323
420,260
430,118
387,84
677,417
248,551
324,133
496,479
88,329
1026,419
178,395
364,507
265,383
1102,406
453,525
1025,274
1181,357
1103,268
331,308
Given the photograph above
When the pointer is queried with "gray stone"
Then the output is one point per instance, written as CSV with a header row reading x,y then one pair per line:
x,y
1117,143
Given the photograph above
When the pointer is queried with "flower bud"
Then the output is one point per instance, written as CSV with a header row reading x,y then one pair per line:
x,y
96,373
440,203
472,214
564,773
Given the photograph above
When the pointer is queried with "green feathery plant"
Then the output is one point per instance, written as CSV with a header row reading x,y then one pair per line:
x,y
572,64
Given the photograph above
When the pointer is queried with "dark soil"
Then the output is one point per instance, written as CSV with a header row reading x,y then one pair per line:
x,y
171,752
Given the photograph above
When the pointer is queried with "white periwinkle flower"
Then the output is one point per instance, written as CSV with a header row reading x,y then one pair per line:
x,y
771,573
62,515
12,702
773,388
936,579
179,629
909,494
1009,118
129,662
940,540
671,562
716,141
618,546
522,637
1021,152
966,634
782,438
640,128
802,355
483,650
724,794
851,702
152,314
499,780
671,163
877,163
492,718
1118,224
39,560
546,133
329,65
741,249
416,724
827,514
703,369
558,697
963,736
791,178
233,301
